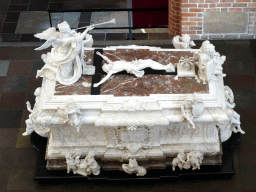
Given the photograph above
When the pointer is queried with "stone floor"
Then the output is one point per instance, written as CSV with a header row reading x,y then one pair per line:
x,y
21,19
18,65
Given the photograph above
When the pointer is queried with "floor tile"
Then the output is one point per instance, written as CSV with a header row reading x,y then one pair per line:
x,y
38,5
23,141
16,84
38,64
4,65
85,17
12,17
4,4
8,137
29,38
9,27
99,17
245,99
116,36
241,82
32,22
18,8
10,37
23,53
24,158
5,53
10,118
2,80
21,179
4,175
72,18
20,67
25,116
20,2
6,157
13,101
34,83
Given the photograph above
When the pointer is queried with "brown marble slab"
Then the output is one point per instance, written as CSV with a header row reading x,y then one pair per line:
x,y
129,85
81,87
88,57
163,57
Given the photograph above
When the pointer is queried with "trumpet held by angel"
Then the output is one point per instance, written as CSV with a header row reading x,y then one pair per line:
x,y
64,62
134,67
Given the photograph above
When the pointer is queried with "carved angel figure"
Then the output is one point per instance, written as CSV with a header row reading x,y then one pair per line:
x,y
64,62
235,122
209,62
71,114
194,159
133,167
179,161
183,42
135,67
191,108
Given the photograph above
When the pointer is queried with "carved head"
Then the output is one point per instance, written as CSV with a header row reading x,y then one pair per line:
x,y
37,91
229,94
64,27
70,103
185,38
207,47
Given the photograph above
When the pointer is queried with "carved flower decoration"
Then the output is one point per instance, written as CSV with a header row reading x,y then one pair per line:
x,y
131,105
132,128
186,62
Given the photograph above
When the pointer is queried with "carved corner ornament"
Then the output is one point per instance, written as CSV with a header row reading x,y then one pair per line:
x,y
133,167
186,161
185,67
85,166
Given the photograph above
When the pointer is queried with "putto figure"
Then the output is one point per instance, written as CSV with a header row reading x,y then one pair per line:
x,y
133,167
134,67
183,42
64,62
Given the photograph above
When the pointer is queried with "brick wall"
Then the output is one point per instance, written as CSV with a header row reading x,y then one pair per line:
x,y
174,21
193,11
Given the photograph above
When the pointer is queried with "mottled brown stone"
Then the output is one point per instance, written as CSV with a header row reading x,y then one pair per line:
x,y
75,89
129,85
163,57
88,57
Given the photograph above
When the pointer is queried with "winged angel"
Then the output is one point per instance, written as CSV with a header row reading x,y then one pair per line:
x,y
64,62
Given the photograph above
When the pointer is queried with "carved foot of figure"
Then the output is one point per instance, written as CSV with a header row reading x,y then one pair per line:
x,y
176,77
169,68
95,85
26,133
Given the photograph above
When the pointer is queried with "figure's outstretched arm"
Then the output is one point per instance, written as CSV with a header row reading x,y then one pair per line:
x,y
103,80
86,31
104,57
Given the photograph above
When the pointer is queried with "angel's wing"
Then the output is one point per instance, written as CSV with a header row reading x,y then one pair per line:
x,y
48,33
50,42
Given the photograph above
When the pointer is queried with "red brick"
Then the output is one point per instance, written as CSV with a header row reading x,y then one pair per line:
x,y
189,14
200,14
224,1
184,10
252,4
184,1
224,5
189,32
243,0
212,5
196,10
199,32
213,10
249,9
184,28
236,9
184,18
196,1
189,5
239,4
203,5
195,28
199,23
211,1
195,19
188,23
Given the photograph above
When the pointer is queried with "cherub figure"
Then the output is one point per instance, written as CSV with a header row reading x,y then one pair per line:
x,y
71,114
194,159
89,165
134,67
179,161
64,62
133,167
209,62
183,42
235,123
